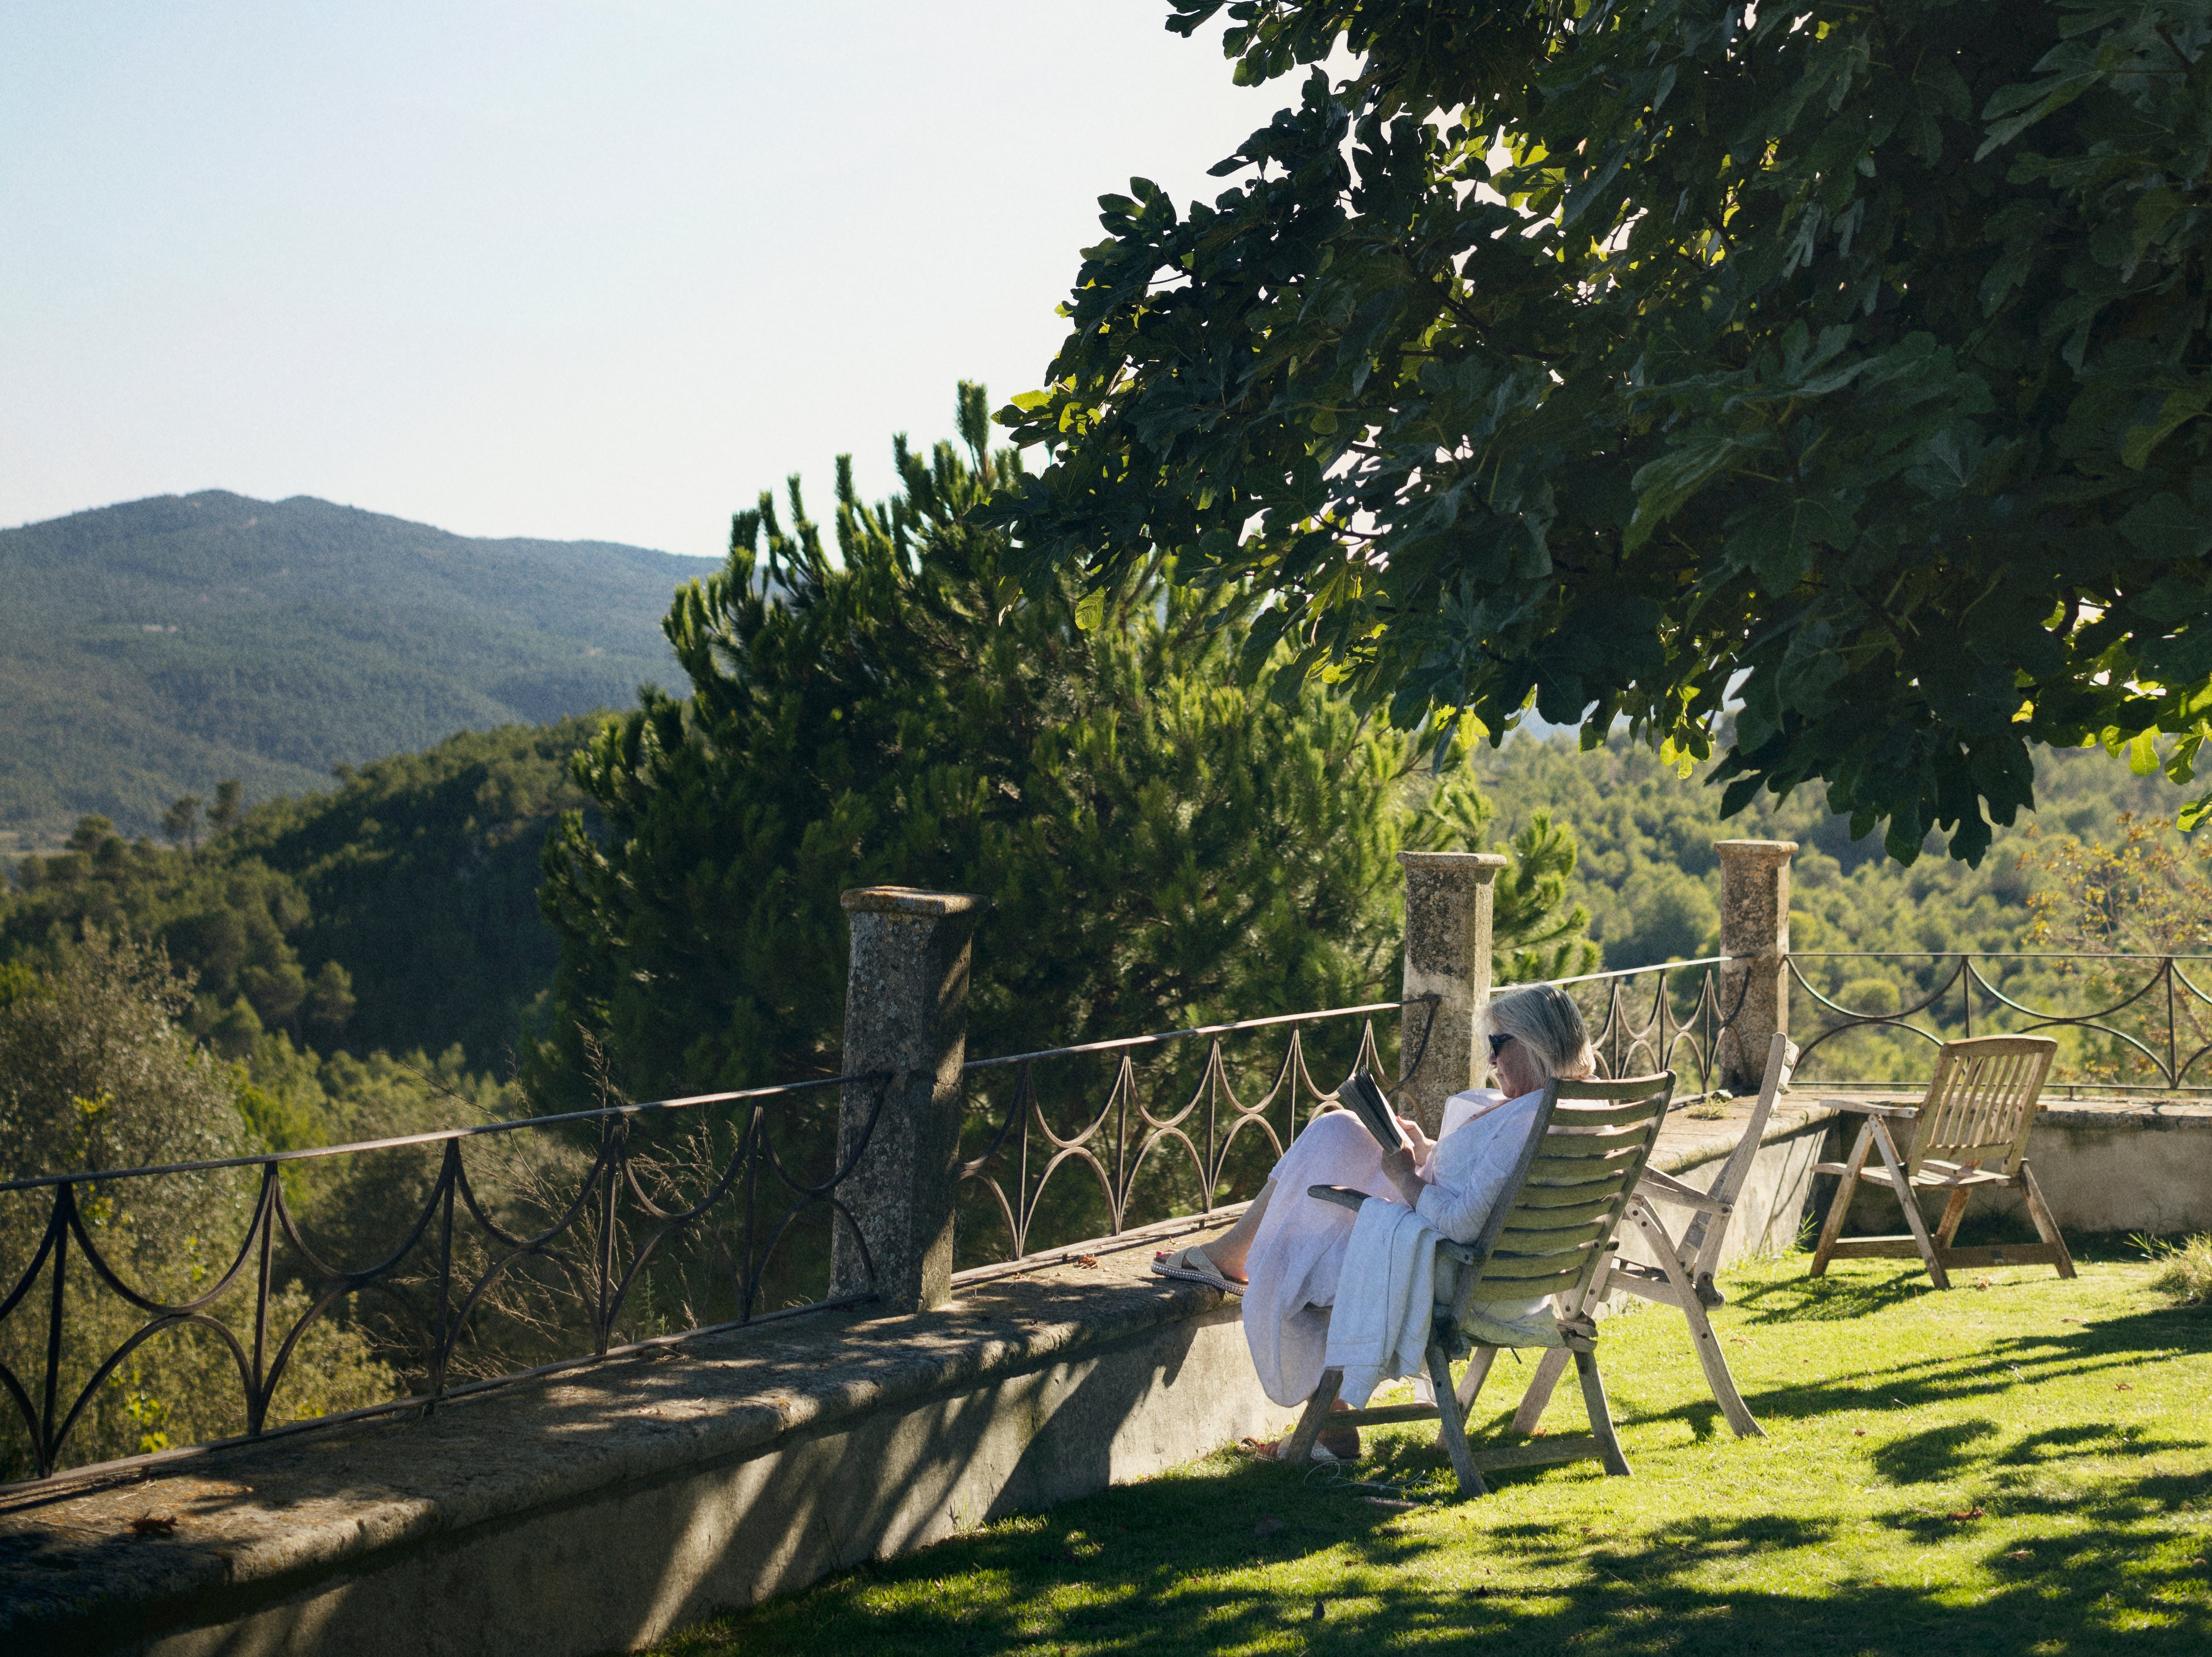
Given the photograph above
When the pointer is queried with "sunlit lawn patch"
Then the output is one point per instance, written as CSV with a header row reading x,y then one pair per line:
x,y
2020,1468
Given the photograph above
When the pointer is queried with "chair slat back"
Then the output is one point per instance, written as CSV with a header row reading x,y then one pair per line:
x,y
1551,1223
1982,1100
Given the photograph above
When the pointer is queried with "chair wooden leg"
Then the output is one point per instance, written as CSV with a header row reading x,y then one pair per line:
x,y
1715,1362
1684,1295
1840,1204
1953,1212
1549,1369
1705,1258
1554,1364
1478,1371
1601,1414
2045,1227
1451,1426
1299,1450
1909,1200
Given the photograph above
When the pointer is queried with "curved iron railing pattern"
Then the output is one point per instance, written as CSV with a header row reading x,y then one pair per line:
x,y
1642,1019
2169,1007
1126,1137
618,1215
610,1202
1673,1020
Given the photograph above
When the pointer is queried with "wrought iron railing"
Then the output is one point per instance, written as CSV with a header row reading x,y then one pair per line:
x,y
451,1293
2149,1030
1667,1016
596,1240
1642,1019
1189,1150
1050,1155
1088,1142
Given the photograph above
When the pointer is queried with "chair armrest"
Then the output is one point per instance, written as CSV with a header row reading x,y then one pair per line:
x,y
1342,1196
1868,1107
1655,1187
1345,1197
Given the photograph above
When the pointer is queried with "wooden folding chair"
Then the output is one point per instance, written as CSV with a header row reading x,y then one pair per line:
x,y
1551,1229
1978,1108
1684,1277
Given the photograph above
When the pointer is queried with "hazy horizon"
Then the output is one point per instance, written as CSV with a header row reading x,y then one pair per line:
x,y
572,272
349,505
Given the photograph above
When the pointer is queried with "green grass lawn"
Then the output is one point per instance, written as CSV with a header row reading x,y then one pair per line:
x,y
2022,1467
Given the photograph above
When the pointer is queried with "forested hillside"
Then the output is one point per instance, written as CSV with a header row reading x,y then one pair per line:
x,y
1650,880
397,911
149,650
1647,871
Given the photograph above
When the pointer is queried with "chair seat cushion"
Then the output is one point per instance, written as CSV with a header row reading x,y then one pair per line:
x,y
1507,1323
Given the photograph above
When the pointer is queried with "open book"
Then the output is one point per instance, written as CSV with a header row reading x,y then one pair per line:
x,y
1364,1099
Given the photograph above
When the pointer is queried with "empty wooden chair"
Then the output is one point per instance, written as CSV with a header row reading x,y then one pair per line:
x,y
1684,1277
1970,1133
1551,1229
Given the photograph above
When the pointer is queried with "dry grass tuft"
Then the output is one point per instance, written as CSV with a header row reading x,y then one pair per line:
x,y
2186,1269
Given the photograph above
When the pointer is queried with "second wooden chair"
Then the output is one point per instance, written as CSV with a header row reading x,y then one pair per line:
x,y
1970,1133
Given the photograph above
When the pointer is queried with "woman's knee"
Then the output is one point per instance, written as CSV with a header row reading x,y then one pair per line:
x,y
1338,1140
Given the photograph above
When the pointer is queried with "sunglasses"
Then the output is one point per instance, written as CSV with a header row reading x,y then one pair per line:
x,y
1497,1046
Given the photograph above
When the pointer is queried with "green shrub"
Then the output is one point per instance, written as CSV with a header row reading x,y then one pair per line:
x,y
97,1071
1873,997
2185,1269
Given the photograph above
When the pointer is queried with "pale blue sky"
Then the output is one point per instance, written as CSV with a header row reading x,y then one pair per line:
x,y
559,269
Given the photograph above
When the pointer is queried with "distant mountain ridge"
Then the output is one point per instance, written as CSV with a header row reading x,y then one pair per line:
x,y
149,649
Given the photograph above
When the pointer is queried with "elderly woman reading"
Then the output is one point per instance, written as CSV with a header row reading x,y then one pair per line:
x,y
1286,1253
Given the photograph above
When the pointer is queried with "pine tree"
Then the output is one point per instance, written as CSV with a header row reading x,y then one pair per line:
x,y
1161,843
229,806
180,823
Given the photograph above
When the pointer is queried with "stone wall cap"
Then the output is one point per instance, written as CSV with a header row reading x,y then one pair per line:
x,y
262,1521
1444,860
1774,849
908,901
1687,1143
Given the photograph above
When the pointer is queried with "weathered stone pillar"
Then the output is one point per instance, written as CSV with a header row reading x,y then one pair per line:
x,y
1755,934
906,1011
1440,1053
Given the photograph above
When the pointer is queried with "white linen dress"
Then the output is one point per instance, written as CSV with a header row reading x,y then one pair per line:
x,y
1298,1254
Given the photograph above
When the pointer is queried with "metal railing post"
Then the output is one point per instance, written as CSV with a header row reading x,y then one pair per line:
x,y
46,1430
2172,1045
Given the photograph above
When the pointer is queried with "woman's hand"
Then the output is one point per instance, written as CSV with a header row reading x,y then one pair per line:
x,y
1422,1143
1398,1165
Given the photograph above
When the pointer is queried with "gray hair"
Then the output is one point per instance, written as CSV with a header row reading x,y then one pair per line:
x,y
1543,1018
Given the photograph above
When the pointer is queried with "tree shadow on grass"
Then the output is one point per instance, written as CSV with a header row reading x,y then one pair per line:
x,y
1243,1559
2086,1438
1830,1300
1861,1293
1937,1453
2115,1346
